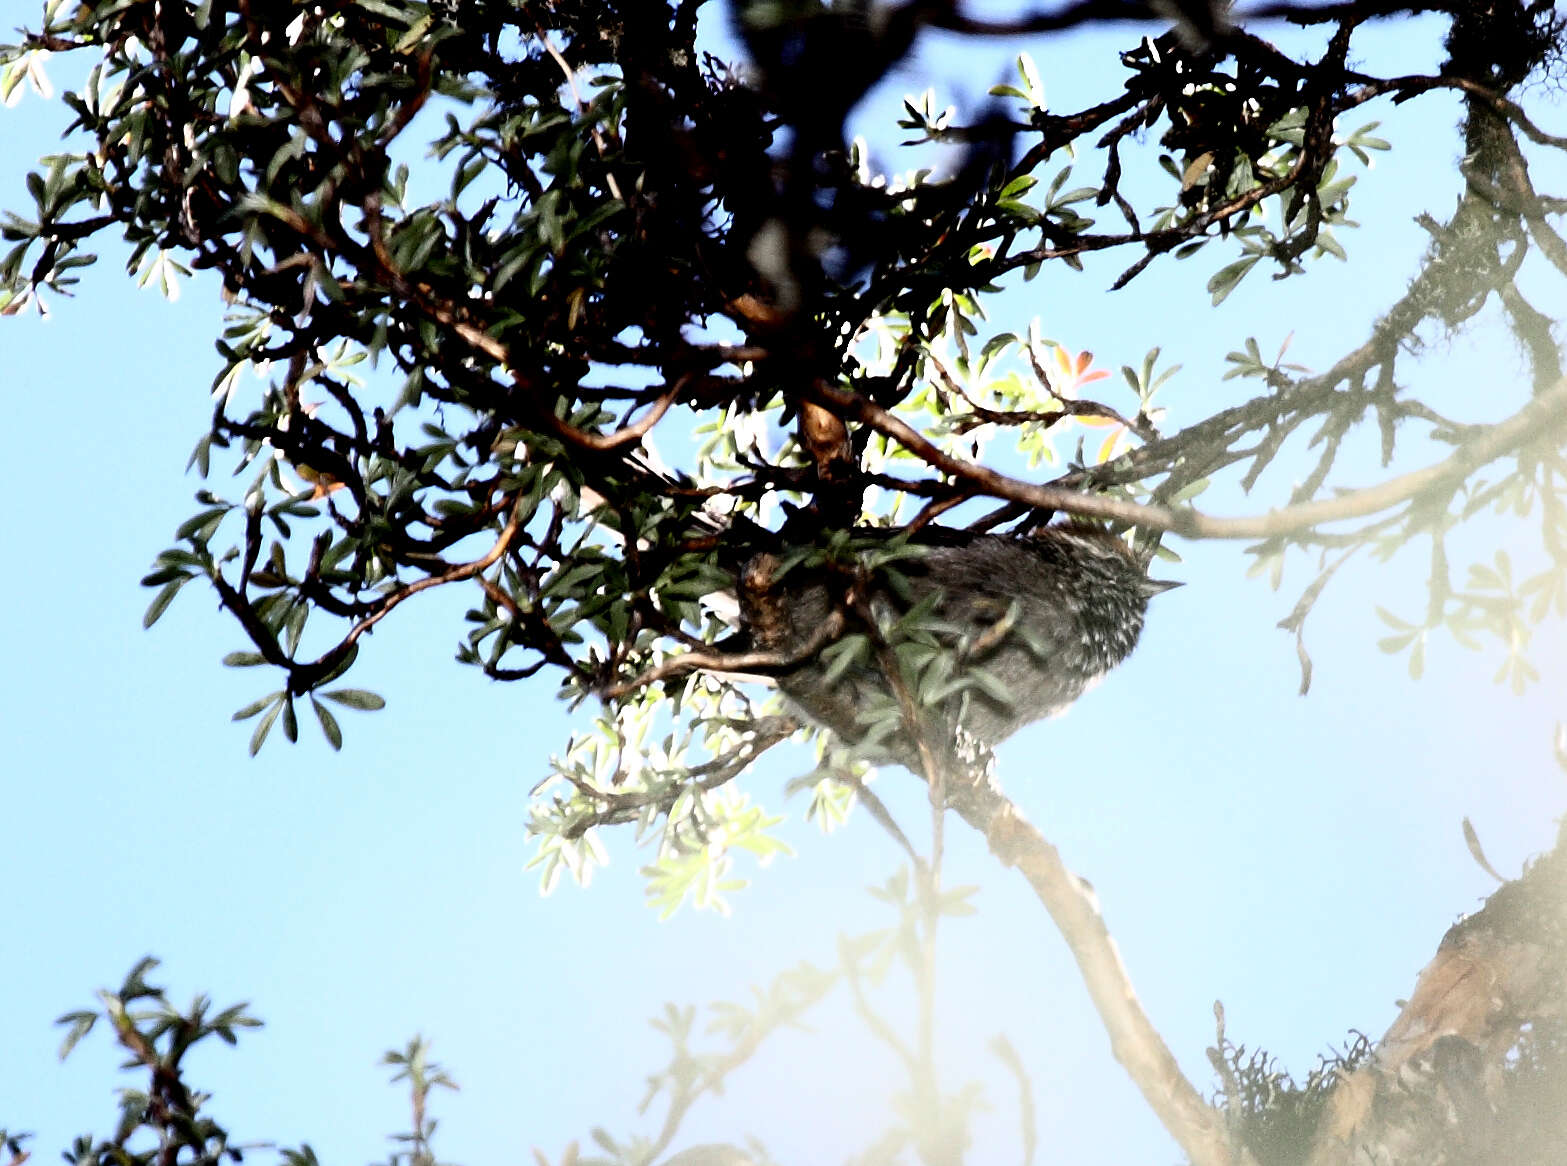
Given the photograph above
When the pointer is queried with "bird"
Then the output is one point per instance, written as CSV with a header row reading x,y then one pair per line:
x,y
989,632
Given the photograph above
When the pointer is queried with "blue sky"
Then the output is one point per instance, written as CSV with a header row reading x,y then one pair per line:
x,y
1298,858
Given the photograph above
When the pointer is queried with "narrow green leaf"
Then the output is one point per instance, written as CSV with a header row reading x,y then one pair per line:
x,y
329,725
161,601
356,698
79,1025
264,726
1227,278
255,706
1392,620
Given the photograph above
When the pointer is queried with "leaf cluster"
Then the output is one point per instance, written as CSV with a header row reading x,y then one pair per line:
x,y
478,260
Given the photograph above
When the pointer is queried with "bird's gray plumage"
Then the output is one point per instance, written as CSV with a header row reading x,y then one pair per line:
x,y
1044,616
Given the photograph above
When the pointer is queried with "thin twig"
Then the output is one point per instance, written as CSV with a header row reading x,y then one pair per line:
x,y
831,628
582,107
883,817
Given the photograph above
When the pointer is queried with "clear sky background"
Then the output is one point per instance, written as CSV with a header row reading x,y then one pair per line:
x,y
1298,858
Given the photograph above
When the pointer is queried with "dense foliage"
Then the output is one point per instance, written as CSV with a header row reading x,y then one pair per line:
x,y
615,234
478,256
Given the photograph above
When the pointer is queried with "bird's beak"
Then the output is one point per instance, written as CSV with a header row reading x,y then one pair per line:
x,y
1152,587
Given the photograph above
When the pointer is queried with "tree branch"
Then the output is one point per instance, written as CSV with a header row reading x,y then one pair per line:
x,y
1137,1045
1494,974
1542,417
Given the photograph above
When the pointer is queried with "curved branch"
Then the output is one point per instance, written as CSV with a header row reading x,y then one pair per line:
x,y
831,628
303,676
1417,83
1137,1045
616,807
619,438
1543,416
